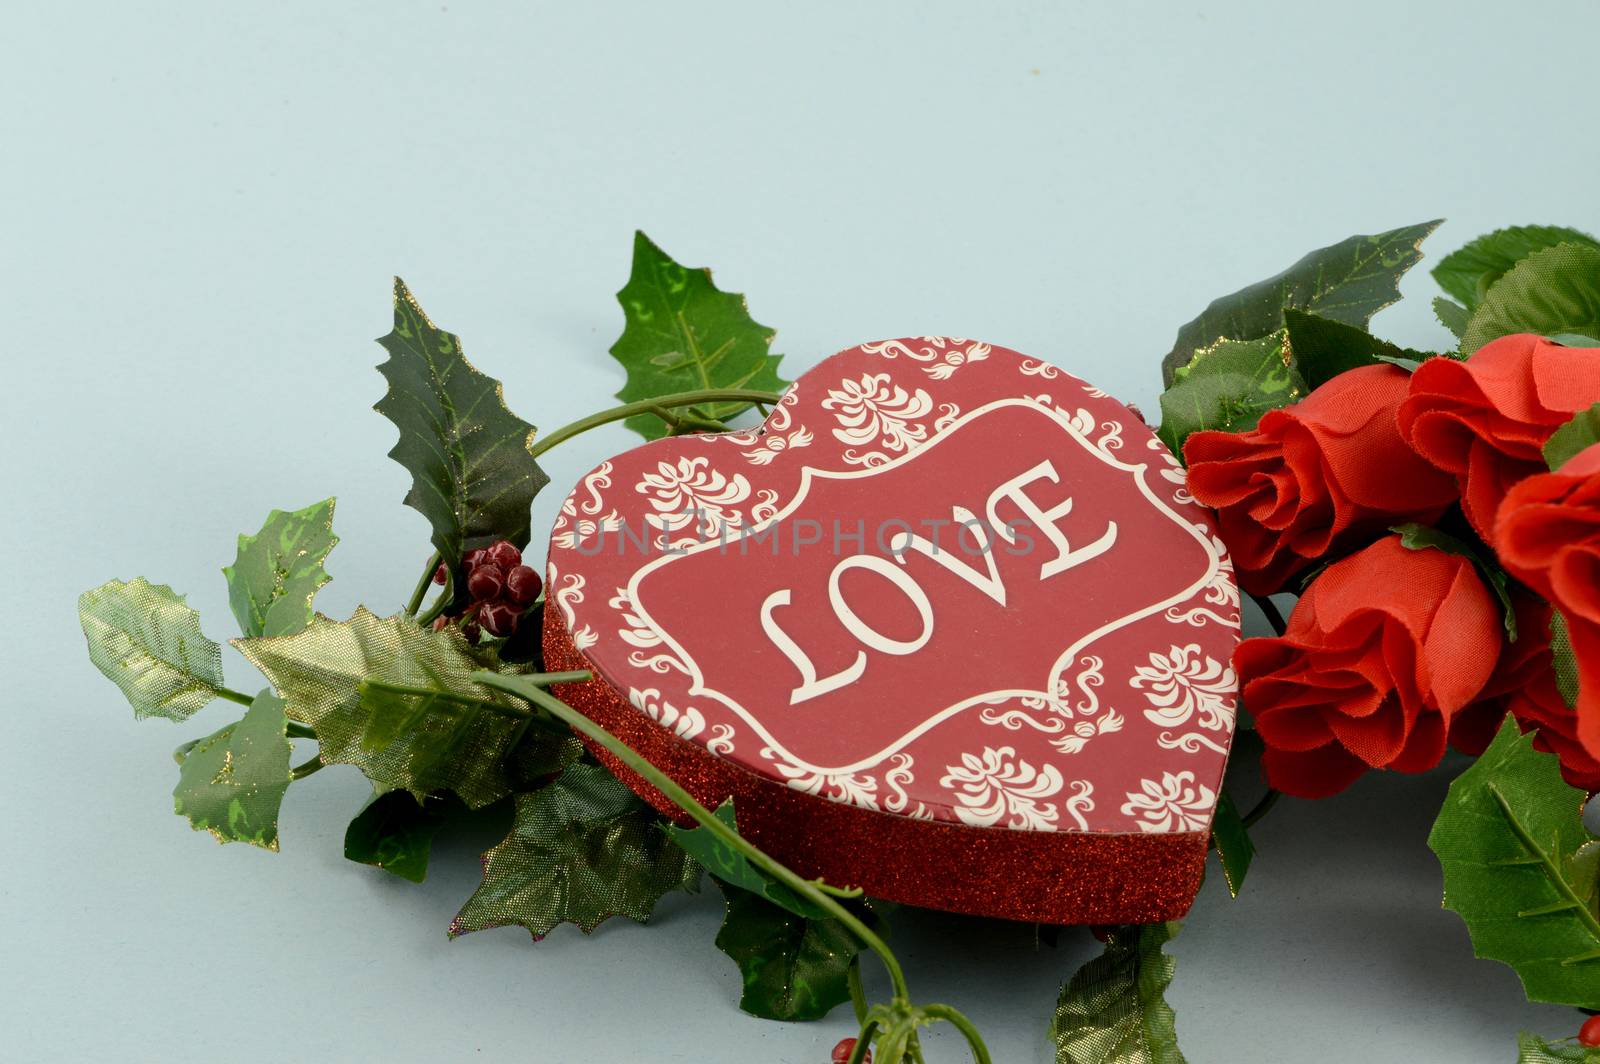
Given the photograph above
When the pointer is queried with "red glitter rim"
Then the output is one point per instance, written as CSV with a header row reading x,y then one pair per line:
x,y
1061,877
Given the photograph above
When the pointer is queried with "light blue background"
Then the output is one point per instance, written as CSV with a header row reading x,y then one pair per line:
x,y
201,206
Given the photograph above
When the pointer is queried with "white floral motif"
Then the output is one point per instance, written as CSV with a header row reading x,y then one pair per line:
x,y
873,410
1110,439
689,496
1081,802
568,593
1091,721
1222,592
641,635
942,362
896,779
846,787
721,741
1184,683
1033,368
685,723
1174,803
998,787
774,444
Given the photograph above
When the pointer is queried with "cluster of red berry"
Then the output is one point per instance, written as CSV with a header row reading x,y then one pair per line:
x,y
846,1046
499,588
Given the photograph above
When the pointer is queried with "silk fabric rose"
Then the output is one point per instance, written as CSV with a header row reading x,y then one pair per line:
x,y
1381,651
1548,536
1315,478
1485,420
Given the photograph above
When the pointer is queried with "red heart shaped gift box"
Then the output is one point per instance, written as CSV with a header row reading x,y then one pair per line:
x,y
947,627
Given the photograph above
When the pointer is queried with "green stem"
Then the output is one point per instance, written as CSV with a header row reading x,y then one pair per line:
x,y
955,1018
859,1053
441,602
512,712
235,696
296,730
300,772
656,406
422,585
1262,808
682,798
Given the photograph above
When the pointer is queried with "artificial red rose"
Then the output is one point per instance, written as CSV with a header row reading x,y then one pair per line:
x,y
1548,536
1314,477
1524,685
1381,651
1487,419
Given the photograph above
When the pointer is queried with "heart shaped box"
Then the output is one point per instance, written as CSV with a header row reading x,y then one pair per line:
x,y
947,627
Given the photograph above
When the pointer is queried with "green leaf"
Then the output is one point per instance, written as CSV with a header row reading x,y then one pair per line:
x,y
232,782
730,866
1321,348
1577,435
1349,281
278,570
1469,273
1563,661
1573,340
793,967
682,333
1531,1049
454,737
1451,315
1232,840
147,641
1229,386
1113,1012
1415,536
1556,290
395,832
1508,838
472,476
581,850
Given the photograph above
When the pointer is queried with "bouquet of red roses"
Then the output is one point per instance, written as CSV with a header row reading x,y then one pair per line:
x,y
1439,518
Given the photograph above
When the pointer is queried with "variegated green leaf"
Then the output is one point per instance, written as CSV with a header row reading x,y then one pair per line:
x,y
338,677
232,782
1113,1010
683,333
147,641
1228,386
472,475
278,570
1469,273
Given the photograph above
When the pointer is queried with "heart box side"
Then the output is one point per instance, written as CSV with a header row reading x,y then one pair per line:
x,y
1040,736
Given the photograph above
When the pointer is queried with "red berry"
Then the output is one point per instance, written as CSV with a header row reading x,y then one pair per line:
x,y
846,1046
440,623
474,558
499,618
505,554
1589,1033
441,574
1101,932
486,583
522,585
469,629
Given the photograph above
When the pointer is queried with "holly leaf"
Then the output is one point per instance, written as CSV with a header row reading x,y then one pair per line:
x,y
232,782
1469,273
395,832
1415,536
1349,281
1451,315
1577,435
1112,1011
683,333
1321,348
277,571
1228,386
793,967
581,850
337,676
1509,838
472,475
1531,1049
1231,838
145,639
1556,290
730,866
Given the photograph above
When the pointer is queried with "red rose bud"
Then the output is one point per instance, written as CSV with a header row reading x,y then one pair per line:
x,y
1548,536
505,554
474,558
500,619
523,585
1314,478
1381,652
1487,419
486,583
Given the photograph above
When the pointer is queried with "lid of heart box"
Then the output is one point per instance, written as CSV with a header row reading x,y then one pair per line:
x,y
943,580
